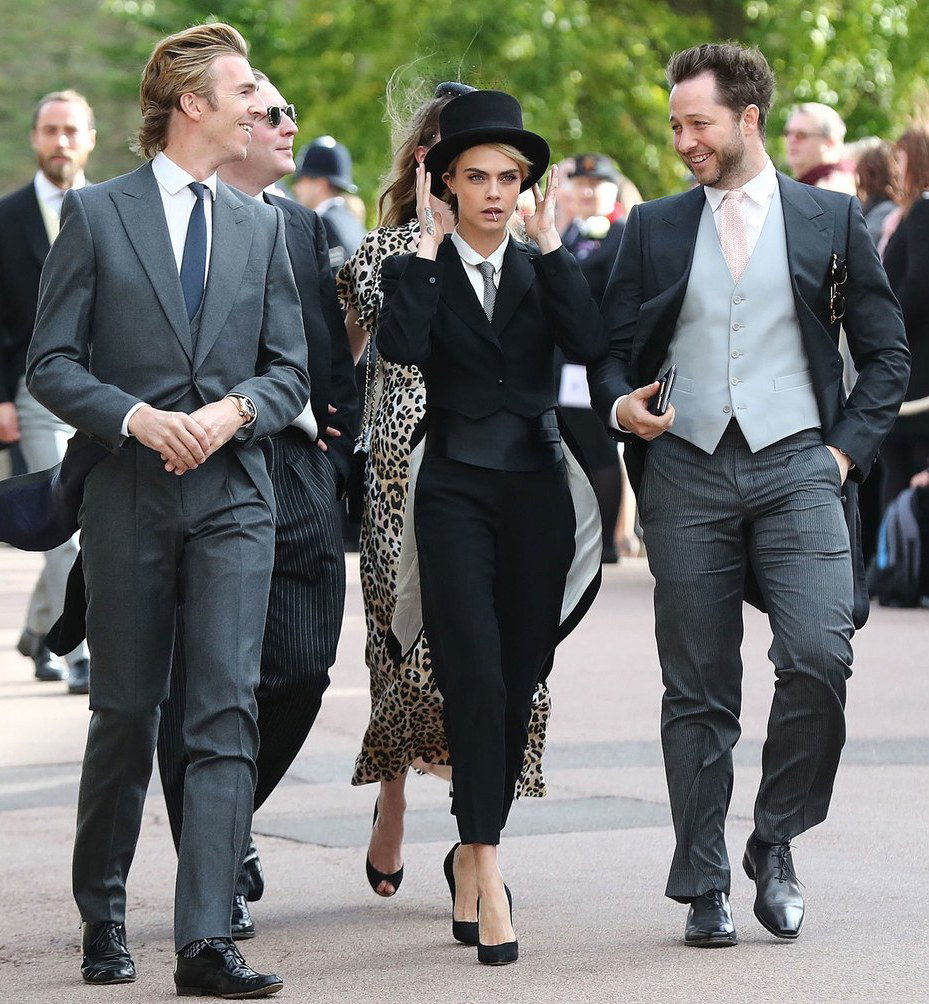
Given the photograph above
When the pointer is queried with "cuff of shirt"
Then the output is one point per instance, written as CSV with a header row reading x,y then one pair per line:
x,y
306,422
614,424
124,428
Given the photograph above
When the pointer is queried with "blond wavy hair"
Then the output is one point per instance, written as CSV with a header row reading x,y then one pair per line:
x,y
181,64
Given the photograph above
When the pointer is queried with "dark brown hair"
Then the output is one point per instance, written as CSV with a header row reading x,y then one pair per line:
x,y
875,171
181,64
419,126
915,144
742,75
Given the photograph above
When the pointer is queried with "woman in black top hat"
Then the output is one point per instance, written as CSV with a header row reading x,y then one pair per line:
x,y
496,524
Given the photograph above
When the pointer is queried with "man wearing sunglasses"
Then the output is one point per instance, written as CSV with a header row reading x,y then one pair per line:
x,y
742,283
814,140
310,465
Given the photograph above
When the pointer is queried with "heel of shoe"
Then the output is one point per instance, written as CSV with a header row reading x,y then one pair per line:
x,y
464,931
375,878
748,867
190,992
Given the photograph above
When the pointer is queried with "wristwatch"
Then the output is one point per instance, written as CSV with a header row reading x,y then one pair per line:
x,y
247,410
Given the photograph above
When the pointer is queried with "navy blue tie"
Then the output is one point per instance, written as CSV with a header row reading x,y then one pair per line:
x,y
193,264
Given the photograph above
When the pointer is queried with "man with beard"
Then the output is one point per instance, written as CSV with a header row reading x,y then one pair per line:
x,y
742,284
311,459
62,137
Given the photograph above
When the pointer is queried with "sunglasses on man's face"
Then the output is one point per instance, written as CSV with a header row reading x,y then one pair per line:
x,y
276,113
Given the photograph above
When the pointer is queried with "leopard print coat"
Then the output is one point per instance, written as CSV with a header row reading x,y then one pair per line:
x,y
405,728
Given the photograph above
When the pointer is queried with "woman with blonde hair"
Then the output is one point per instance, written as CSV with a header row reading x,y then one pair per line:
x,y
406,725
504,524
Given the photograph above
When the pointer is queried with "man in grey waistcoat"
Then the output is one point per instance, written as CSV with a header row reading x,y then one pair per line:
x,y
169,330
747,485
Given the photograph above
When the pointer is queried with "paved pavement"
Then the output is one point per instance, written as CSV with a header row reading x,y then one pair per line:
x,y
587,864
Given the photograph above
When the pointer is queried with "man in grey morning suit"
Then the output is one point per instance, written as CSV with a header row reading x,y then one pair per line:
x,y
169,329
311,463
753,489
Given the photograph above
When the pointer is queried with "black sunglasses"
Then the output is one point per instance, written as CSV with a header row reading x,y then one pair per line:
x,y
275,113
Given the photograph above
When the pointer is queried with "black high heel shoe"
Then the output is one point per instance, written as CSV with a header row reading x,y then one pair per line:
x,y
498,955
464,931
375,878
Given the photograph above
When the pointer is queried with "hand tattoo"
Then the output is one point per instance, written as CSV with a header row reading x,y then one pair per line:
x,y
430,221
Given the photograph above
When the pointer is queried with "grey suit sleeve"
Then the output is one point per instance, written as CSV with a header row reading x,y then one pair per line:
x,y
57,363
280,387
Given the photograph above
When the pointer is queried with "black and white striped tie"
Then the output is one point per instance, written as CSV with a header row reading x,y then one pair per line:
x,y
490,290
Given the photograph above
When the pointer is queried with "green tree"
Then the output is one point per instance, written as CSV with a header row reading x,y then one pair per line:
x,y
589,73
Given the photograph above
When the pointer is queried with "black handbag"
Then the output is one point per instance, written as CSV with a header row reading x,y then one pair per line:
x,y
355,484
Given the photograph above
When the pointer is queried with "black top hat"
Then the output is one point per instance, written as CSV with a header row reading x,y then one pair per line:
x,y
325,158
595,165
484,117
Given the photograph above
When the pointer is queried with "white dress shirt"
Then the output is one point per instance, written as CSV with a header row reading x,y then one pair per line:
x,y
471,259
758,195
50,198
178,202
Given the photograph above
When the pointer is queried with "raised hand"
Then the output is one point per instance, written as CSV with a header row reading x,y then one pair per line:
x,y
540,227
431,217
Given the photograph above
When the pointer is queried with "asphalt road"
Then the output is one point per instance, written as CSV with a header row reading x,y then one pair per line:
x,y
587,864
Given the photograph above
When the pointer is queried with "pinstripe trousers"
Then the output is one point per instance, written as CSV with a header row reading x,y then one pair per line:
x,y
302,629
704,519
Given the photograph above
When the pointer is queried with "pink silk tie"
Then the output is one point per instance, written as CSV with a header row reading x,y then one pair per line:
x,y
732,235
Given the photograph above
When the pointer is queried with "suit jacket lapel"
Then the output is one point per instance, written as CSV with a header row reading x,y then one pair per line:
x,y
672,240
34,228
459,295
810,231
809,238
675,237
142,213
232,238
516,276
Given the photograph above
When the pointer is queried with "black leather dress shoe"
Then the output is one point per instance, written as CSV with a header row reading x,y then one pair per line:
x,y
49,667
215,967
106,957
709,922
79,677
243,927
253,873
778,900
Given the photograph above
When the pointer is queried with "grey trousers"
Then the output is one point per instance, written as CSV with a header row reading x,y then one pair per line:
x,y
705,518
43,439
301,631
150,539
